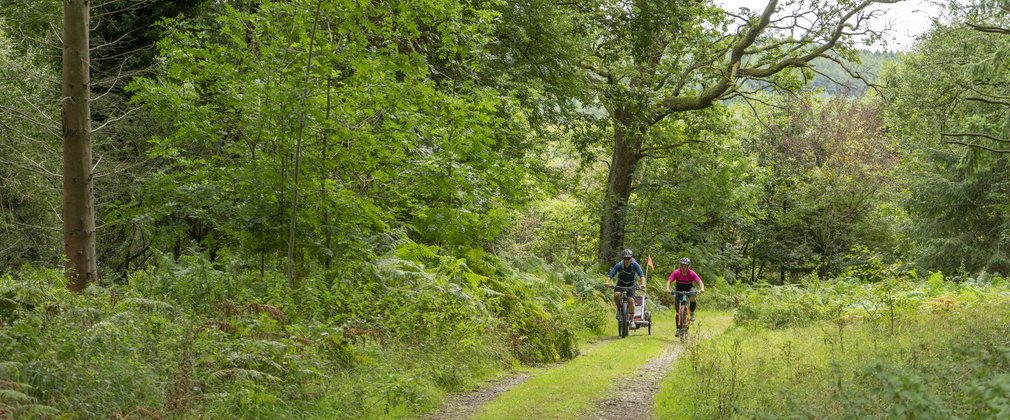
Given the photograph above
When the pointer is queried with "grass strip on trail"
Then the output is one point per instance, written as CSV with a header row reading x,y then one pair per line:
x,y
570,389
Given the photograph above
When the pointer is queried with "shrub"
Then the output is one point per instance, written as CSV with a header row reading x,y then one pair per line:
x,y
386,337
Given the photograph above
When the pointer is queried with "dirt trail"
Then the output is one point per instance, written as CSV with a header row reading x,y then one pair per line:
x,y
464,405
633,396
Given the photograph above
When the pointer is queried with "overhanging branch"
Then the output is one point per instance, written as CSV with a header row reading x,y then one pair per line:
x,y
744,46
990,29
981,135
977,146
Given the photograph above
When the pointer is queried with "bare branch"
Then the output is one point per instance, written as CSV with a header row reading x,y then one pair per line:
x,y
744,46
112,120
987,100
756,114
852,73
990,29
48,126
982,135
646,150
836,35
132,5
978,146
36,167
600,72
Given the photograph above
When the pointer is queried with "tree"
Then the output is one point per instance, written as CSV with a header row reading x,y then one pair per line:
x,y
944,110
830,169
652,60
984,87
400,133
78,193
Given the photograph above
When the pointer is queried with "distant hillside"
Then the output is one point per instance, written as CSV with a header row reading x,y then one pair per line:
x,y
870,66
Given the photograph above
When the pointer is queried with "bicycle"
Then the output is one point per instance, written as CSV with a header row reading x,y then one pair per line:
x,y
684,312
624,315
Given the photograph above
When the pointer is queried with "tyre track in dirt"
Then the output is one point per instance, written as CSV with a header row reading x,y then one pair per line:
x,y
464,405
633,396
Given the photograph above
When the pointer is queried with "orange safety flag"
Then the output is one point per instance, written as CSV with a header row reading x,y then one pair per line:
x,y
649,263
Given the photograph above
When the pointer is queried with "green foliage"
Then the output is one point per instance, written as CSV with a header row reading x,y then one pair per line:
x,y
28,186
398,133
188,338
449,191
559,229
943,102
944,358
695,202
827,187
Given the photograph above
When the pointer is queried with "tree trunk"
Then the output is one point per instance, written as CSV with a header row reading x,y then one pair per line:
x,y
78,193
293,226
614,211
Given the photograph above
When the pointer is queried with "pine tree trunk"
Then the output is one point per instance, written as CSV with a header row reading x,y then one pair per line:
x,y
78,192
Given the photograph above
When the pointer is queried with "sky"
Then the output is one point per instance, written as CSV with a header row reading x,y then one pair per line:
x,y
907,20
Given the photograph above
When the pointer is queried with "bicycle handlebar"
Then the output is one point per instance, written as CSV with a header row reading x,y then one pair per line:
x,y
687,293
616,287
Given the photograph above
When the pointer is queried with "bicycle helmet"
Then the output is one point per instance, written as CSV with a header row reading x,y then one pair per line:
x,y
626,254
685,261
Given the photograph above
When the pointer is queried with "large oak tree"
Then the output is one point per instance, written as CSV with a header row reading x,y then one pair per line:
x,y
651,61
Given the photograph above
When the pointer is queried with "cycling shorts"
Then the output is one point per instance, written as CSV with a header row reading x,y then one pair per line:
x,y
684,287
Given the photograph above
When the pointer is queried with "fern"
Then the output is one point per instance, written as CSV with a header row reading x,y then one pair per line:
x,y
143,303
13,400
8,368
38,410
17,386
111,321
239,374
18,397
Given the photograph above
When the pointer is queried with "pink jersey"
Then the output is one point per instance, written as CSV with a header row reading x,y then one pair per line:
x,y
684,278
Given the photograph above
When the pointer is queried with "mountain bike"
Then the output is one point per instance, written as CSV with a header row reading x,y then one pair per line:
x,y
683,312
625,313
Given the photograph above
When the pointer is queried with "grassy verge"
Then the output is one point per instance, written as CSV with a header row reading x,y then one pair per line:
x,y
570,389
947,363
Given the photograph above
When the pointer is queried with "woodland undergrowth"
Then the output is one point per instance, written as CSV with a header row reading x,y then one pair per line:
x,y
388,337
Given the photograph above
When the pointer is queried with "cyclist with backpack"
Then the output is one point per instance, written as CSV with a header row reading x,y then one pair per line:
x,y
685,279
626,271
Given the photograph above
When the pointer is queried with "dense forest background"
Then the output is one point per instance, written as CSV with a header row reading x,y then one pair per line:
x,y
450,161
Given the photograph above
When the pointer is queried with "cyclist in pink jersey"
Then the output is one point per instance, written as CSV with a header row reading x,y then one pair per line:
x,y
685,278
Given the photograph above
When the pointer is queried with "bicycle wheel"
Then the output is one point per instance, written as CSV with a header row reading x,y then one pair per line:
x,y
682,316
648,320
622,326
